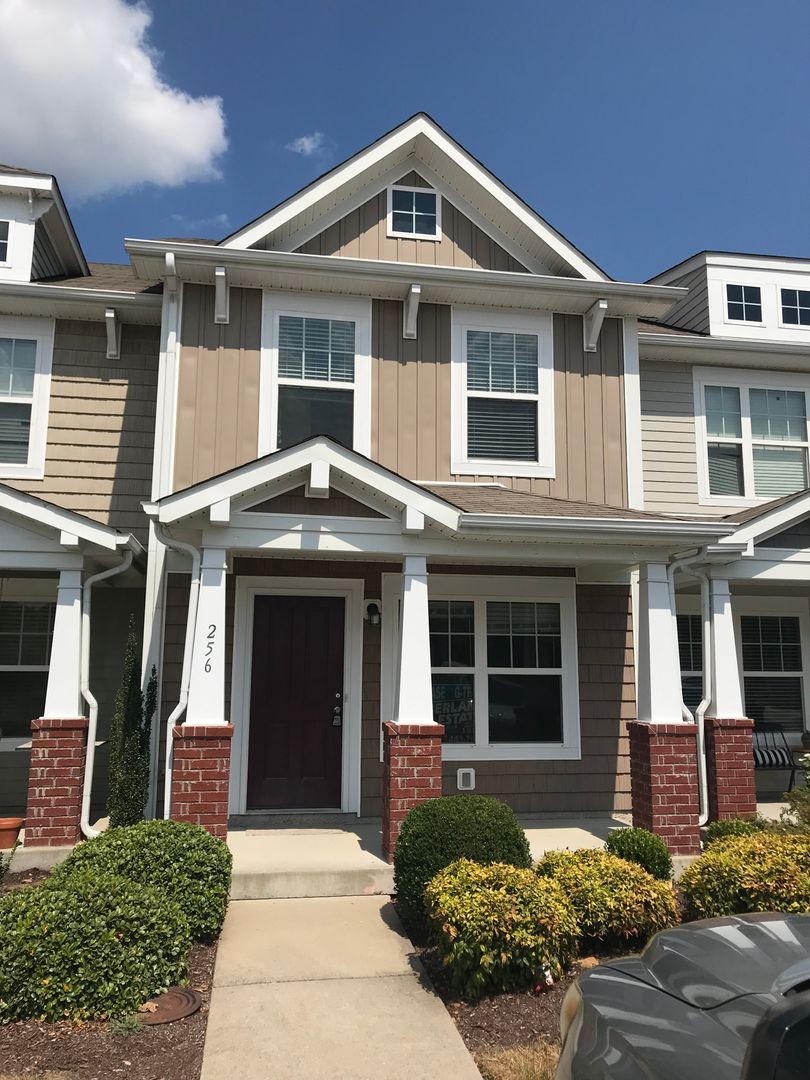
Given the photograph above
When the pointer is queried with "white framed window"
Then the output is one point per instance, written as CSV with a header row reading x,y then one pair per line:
x,y
5,243
503,661
753,436
743,303
26,355
690,650
502,394
795,307
26,633
414,212
315,371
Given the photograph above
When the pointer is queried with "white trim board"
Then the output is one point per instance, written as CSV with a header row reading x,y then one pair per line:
x,y
247,589
40,330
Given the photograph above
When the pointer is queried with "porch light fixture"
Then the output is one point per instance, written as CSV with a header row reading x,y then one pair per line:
x,y
373,613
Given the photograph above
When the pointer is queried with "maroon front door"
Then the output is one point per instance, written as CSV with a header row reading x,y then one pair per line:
x,y
296,703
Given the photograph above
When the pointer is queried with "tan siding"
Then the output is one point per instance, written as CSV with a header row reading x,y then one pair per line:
x,y
692,313
411,382
101,424
218,386
362,234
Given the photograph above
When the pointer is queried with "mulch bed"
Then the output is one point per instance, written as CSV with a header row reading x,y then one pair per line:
x,y
92,1051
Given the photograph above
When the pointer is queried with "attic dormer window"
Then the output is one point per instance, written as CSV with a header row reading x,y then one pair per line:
x,y
5,229
414,212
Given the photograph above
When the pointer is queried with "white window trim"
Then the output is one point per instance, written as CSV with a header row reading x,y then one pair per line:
x,y
744,380
22,591
560,591
389,214
8,261
745,285
779,307
42,331
464,319
313,306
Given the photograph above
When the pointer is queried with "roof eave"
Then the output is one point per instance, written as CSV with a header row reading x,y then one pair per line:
x,y
622,529
67,301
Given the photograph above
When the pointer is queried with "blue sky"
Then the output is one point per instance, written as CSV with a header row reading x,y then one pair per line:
x,y
643,131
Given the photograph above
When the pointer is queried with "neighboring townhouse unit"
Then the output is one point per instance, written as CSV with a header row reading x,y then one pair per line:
x,y
399,537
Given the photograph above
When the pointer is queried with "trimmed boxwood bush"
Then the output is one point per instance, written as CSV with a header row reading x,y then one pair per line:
x,y
93,946
439,831
763,872
719,830
616,902
642,847
498,926
186,862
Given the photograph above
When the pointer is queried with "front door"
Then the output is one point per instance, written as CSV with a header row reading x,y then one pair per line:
x,y
296,703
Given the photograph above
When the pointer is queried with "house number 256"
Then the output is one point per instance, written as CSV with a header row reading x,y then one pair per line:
x,y
210,638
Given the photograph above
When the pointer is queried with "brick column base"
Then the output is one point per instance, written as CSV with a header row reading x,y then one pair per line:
x,y
664,783
55,781
412,773
730,768
200,773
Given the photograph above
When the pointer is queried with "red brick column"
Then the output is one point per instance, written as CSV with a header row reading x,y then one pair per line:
x,y
200,773
664,783
730,768
412,773
58,747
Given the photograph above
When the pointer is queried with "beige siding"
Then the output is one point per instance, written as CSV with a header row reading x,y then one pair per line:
x,y
692,313
410,424
101,424
218,385
362,234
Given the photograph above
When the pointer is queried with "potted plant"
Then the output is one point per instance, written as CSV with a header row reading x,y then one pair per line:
x,y
10,831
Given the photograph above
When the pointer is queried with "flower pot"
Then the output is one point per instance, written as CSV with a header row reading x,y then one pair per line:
x,y
9,831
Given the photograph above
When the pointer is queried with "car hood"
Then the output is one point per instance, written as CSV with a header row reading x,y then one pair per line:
x,y
713,961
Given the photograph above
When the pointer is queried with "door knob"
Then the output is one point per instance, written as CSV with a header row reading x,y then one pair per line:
x,y
337,716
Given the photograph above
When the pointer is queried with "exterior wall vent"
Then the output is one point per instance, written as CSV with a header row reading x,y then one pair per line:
x,y
465,779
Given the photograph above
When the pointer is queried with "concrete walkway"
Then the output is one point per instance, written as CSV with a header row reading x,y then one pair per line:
x,y
322,988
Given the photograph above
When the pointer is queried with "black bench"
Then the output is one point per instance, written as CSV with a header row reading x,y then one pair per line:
x,y
771,750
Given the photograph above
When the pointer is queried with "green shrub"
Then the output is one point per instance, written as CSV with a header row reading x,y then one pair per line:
x,y
719,830
763,872
186,862
439,831
93,946
5,860
615,901
796,815
498,926
130,733
642,847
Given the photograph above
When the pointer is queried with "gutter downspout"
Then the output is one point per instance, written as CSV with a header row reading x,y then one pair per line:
x,y
185,676
687,565
87,696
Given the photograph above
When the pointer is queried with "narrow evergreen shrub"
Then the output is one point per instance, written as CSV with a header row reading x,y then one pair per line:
x,y
5,860
719,830
189,865
498,926
642,847
130,732
765,871
439,831
616,902
95,946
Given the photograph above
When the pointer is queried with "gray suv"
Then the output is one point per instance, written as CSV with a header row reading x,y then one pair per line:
x,y
720,999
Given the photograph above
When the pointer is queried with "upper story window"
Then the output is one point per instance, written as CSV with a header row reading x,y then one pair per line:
x,y
26,347
414,212
795,307
744,303
315,372
503,408
5,240
754,435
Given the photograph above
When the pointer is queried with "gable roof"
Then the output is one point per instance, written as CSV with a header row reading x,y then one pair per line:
x,y
422,144
759,522
57,518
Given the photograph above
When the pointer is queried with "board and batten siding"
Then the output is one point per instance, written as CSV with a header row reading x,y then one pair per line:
x,y
692,313
101,424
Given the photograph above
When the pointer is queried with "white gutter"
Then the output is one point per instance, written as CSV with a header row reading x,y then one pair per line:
x,y
73,293
92,724
634,526
188,648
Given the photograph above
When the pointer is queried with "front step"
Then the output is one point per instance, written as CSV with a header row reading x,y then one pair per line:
x,y
292,884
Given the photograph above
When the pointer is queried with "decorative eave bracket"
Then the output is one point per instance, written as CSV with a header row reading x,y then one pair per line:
x,y
222,296
592,324
113,334
317,486
410,311
170,272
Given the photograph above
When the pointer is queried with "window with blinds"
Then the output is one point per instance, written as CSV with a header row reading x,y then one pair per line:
x,y
316,371
5,228
690,650
756,441
26,631
502,395
772,670
18,362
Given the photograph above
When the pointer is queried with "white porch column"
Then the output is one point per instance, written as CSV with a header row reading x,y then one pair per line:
x,y
63,696
726,689
414,703
659,671
206,694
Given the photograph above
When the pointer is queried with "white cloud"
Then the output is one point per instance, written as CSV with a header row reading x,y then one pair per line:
x,y
308,145
193,225
84,99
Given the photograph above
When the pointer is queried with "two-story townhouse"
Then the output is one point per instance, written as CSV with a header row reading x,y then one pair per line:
x,y
724,429
398,541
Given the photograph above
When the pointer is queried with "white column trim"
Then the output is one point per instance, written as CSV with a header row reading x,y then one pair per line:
x,y
659,672
726,689
632,415
63,696
414,695
206,697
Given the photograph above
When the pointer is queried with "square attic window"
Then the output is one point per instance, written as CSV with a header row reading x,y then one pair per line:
x,y
414,212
